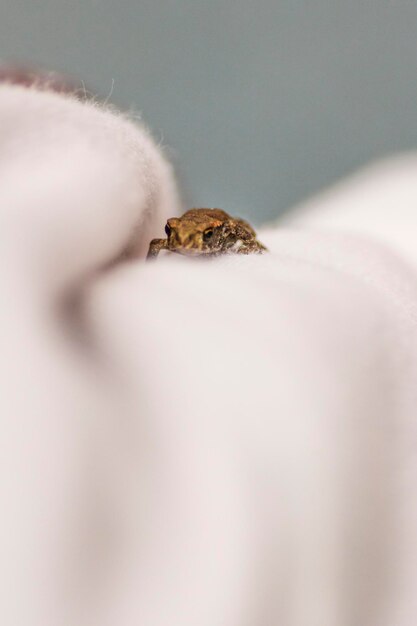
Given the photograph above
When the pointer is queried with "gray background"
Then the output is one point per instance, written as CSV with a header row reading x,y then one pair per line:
x,y
261,102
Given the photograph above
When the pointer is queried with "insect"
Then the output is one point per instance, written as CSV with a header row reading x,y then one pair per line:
x,y
207,232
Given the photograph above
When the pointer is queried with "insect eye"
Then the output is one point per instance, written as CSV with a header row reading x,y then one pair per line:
x,y
167,230
208,234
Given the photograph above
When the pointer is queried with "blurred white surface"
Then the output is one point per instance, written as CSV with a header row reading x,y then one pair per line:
x,y
222,443
379,201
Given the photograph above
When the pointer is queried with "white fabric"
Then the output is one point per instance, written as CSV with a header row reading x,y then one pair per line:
x,y
219,443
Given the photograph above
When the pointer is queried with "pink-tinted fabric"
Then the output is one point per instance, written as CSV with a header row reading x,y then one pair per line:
x,y
186,442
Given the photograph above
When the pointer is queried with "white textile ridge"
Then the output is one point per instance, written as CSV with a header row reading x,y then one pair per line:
x,y
185,443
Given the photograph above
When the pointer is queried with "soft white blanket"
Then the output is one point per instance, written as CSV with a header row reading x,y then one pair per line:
x,y
220,443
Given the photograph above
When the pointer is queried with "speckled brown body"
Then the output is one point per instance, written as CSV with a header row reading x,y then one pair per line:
x,y
207,232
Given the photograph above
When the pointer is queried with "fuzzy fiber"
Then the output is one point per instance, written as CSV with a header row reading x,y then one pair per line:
x,y
221,443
